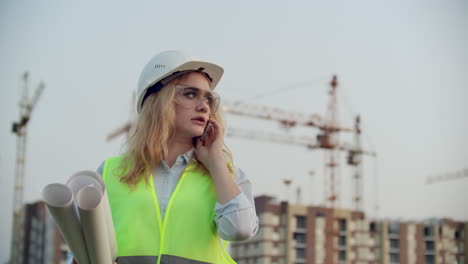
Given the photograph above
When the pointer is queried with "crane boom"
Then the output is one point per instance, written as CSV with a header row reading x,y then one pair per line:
x,y
308,142
285,118
455,175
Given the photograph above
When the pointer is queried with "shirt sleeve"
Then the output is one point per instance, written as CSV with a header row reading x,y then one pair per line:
x,y
237,220
70,258
100,169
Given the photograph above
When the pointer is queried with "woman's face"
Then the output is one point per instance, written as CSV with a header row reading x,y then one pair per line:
x,y
191,116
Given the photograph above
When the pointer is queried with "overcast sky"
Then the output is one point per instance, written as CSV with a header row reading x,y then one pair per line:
x,y
401,65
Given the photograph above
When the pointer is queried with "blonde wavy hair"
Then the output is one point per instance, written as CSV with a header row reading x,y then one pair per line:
x,y
147,146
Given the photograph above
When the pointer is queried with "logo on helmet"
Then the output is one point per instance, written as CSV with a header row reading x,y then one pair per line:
x,y
159,66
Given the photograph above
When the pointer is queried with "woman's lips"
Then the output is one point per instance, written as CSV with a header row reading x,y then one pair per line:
x,y
198,122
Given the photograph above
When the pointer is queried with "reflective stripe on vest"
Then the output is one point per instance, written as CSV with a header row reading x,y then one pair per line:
x,y
137,259
166,259
188,233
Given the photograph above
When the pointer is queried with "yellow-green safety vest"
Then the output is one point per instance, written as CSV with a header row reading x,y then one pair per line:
x,y
188,233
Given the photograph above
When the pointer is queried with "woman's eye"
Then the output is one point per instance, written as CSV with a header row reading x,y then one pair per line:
x,y
190,94
208,100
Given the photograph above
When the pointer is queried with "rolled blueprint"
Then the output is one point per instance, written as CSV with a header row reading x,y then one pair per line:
x,y
95,205
93,218
59,201
82,213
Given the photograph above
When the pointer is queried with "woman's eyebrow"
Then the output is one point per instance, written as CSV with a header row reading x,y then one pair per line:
x,y
192,89
198,90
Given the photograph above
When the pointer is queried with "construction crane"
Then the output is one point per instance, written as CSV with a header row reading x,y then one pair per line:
x,y
127,127
449,176
19,128
327,139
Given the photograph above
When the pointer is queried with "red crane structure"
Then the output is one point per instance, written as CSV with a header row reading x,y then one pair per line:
x,y
327,139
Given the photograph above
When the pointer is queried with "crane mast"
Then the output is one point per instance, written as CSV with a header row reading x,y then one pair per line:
x,y
355,160
19,128
329,140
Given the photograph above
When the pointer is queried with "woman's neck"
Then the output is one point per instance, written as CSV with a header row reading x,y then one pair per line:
x,y
175,149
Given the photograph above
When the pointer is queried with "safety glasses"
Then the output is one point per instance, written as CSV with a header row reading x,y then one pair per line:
x,y
191,97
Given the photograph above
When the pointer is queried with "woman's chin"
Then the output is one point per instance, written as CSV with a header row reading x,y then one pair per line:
x,y
189,133
195,134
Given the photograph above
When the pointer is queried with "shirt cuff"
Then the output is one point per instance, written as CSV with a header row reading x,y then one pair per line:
x,y
237,203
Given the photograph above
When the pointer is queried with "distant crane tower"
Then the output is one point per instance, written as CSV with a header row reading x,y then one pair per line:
x,y
19,128
354,159
329,140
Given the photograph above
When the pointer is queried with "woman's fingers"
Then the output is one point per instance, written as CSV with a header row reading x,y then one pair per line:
x,y
215,131
214,123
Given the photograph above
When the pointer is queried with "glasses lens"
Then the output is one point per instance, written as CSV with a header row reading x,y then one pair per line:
x,y
191,97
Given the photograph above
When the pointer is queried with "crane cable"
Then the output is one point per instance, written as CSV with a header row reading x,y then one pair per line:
x,y
286,89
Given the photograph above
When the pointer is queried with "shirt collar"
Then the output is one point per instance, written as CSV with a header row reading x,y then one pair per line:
x,y
181,159
188,155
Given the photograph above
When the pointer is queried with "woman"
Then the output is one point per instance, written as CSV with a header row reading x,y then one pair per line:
x,y
174,195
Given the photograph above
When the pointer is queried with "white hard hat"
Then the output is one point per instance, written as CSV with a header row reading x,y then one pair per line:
x,y
166,66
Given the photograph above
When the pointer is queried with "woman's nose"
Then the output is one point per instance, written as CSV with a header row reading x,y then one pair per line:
x,y
202,105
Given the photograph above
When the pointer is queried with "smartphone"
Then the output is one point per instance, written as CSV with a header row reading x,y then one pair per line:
x,y
206,131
